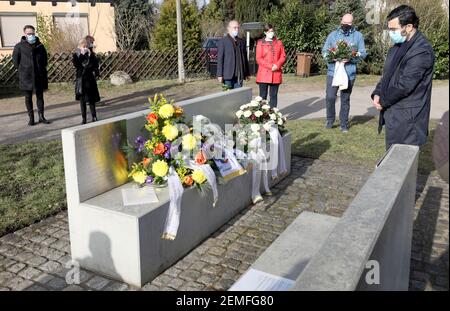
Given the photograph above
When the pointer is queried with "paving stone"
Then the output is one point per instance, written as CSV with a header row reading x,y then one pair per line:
x,y
57,284
16,267
150,287
30,273
189,275
36,288
73,288
51,267
223,284
97,282
18,283
116,286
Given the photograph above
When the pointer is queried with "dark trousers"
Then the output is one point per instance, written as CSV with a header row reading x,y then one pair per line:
x,y
39,100
233,83
345,102
83,103
263,92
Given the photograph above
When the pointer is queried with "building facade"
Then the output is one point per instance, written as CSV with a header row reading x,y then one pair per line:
x,y
74,18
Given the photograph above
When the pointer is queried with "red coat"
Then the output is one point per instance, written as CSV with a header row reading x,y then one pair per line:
x,y
268,54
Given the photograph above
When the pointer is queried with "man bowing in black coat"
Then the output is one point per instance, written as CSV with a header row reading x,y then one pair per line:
x,y
403,95
30,59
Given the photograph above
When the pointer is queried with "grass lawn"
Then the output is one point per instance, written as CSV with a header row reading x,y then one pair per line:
x,y
32,183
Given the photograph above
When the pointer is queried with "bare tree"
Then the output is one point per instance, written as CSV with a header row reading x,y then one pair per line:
x,y
132,24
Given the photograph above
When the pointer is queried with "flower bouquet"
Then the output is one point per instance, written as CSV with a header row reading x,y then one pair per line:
x,y
342,51
163,150
259,118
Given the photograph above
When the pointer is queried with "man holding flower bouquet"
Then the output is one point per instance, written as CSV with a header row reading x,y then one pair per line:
x,y
342,50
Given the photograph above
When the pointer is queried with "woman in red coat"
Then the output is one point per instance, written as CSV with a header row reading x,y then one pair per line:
x,y
270,56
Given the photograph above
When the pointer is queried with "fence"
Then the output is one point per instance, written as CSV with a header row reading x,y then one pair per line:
x,y
142,65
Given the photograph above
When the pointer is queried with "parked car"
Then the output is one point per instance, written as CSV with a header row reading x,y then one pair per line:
x,y
209,49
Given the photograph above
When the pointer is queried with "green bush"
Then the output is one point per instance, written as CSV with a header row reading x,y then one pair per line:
x,y
439,41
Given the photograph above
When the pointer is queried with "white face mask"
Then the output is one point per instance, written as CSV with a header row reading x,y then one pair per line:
x,y
270,35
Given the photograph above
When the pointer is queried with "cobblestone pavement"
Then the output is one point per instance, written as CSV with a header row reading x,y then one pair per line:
x,y
34,258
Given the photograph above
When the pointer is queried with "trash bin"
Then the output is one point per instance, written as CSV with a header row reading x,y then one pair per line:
x,y
304,64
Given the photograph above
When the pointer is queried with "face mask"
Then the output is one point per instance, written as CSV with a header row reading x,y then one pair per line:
x,y
397,37
31,39
234,33
346,28
270,35
90,45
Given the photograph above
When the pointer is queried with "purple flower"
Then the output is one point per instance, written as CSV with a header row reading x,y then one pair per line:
x,y
167,154
140,142
149,180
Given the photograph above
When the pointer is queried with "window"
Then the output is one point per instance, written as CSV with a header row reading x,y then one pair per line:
x,y
11,27
75,26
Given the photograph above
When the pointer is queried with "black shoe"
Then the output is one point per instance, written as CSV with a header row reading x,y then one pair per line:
x,y
31,117
94,119
329,125
84,121
42,119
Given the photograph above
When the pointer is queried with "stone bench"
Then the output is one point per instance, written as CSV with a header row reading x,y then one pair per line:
x,y
125,242
288,255
318,252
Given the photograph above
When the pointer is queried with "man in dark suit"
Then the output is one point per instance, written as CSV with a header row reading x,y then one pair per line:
x,y
30,59
232,60
403,95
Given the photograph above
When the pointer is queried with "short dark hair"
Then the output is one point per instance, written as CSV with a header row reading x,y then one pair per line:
x,y
406,15
267,27
28,27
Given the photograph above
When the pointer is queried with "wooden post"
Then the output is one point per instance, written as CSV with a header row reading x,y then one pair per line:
x,y
181,77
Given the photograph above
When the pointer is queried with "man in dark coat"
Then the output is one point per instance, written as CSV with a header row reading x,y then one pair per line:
x,y
403,95
30,59
232,60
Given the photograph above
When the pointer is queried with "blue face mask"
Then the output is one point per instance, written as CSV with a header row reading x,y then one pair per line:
x,y
234,33
31,39
396,36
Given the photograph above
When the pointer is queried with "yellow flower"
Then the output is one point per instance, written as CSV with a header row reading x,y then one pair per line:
x,y
189,142
198,177
166,111
170,132
148,145
139,177
160,168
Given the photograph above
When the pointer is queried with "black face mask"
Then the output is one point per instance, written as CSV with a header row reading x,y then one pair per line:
x,y
346,28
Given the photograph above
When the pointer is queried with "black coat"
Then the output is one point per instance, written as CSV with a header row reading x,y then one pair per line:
x,y
87,70
31,62
226,59
407,100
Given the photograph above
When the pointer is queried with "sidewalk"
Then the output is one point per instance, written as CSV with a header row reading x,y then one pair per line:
x,y
64,112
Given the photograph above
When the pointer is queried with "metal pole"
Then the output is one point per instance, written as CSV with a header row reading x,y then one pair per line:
x,y
181,77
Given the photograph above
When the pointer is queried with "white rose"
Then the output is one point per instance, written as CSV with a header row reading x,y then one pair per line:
x,y
247,113
255,127
258,113
266,107
243,107
267,126
254,103
280,122
273,116
258,98
276,109
239,113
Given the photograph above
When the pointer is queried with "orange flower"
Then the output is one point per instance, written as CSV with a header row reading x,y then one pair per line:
x,y
159,149
152,118
188,180
178,111
200,157
146,161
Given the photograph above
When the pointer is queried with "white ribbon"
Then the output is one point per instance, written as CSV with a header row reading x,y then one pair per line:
x,y
259,171
282,167
207,170
340,77
174,212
